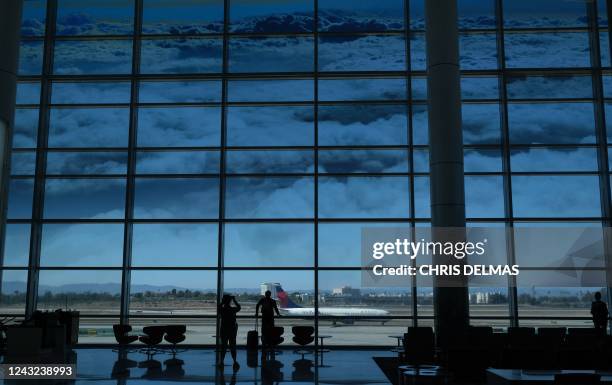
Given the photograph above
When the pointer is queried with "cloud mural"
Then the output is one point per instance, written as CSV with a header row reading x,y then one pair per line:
x,y
268,127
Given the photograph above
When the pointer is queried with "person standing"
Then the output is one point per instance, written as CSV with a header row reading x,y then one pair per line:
x,y
268,308
599,311
229,327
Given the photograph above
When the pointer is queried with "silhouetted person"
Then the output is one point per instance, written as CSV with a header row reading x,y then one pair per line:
x,y
229,327
268,307
599,310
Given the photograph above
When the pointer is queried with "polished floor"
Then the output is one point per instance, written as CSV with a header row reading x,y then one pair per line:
x,y
102,366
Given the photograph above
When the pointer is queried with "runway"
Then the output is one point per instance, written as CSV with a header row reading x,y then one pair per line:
x,y
361,332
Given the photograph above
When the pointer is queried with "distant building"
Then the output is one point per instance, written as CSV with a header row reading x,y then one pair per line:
x,y
269,286
479,298
346,291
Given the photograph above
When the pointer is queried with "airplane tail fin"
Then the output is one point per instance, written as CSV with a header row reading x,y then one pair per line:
x,y
285,301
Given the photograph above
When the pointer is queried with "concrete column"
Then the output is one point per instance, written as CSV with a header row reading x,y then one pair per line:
x,y
10,22
447,189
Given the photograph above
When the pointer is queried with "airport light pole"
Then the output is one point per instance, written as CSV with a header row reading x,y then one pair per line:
x,y
447,191
10,23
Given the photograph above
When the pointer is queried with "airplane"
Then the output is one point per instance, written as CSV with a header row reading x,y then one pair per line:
x,y
347,315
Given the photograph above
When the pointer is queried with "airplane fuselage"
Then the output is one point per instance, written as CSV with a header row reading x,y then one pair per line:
x,y
335,312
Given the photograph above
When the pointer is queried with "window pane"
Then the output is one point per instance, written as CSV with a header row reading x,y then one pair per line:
x,y
476,14
556,246
418,61
608,113
362,89
26,128
28,93
30,58
14,288
186,198
179,127
179,56
481,123
95,17
270,161
271,90
363,16
544,14
269,197
363,125
174,162
271,54
420,128
364,197
86,163
86,93
422,204
362,53
362,161
162,292
420,157
21,192
340,243
182,17
482,160
86,127
288,16
556,196
236,281
270,126
484,197
547,49
554,159
93,57
17,244
192,91
569,123
478,51
23,163
87,291
419,88
548,87
84,198
174,244
607,85
33,18
472,88
98,245
269,245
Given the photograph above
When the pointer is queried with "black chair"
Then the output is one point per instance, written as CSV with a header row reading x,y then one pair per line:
x,y
122,337
153,335
277,336
550,340
303,335
175,334
580,351
419,345
523,350
577,378
470,356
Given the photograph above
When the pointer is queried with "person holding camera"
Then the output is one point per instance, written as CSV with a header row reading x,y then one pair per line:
x,y
229,327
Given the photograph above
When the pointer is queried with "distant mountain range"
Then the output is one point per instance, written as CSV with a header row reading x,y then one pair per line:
x,y
112,288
